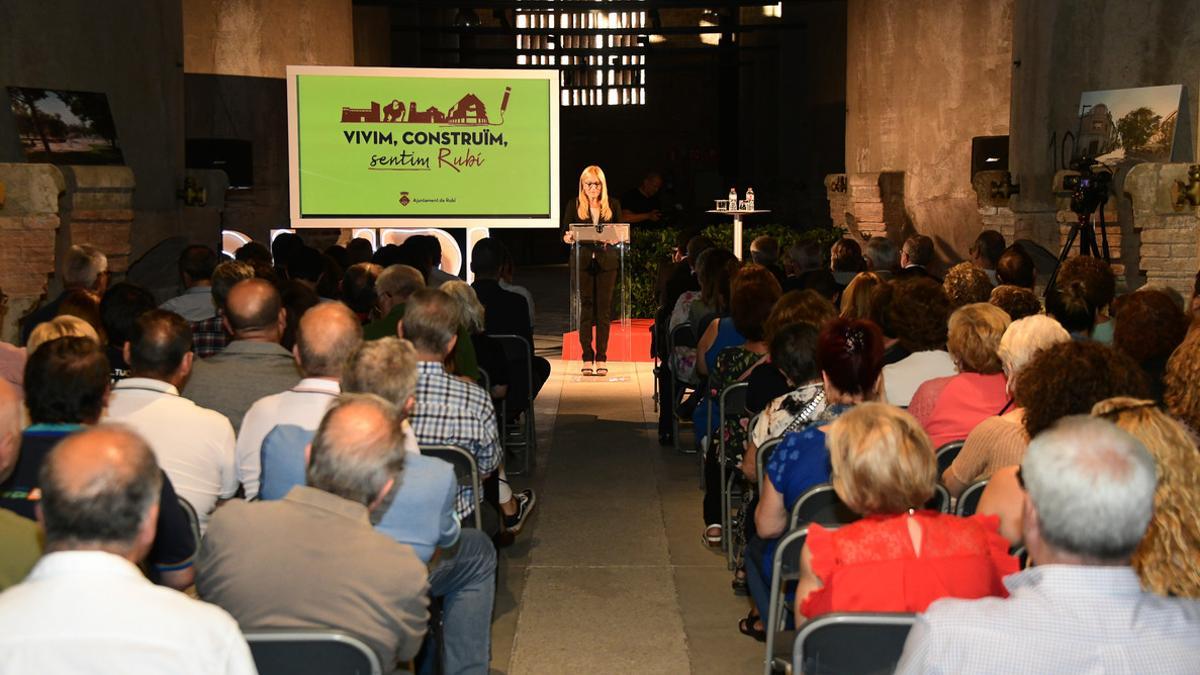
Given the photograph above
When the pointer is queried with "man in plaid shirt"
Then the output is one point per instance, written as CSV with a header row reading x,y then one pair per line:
x,y
208,336
453,411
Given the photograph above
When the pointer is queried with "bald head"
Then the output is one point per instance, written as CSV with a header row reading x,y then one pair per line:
x,y
358,449
100,490
10,427
328,334
159,345
254,311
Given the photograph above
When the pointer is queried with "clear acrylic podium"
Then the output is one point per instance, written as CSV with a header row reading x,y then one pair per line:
x,y
596,255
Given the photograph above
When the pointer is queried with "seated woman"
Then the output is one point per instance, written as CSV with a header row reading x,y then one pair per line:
x,y
1095,286
856,299
1001,440
1181,381
897,558
1069,305
706,301
850,354
1149,327
950,407
768,382
753,292
917,312
489,354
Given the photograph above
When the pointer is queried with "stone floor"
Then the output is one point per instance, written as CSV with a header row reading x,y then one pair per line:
x,y
609,574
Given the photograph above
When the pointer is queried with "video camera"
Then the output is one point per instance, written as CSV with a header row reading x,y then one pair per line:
x,y
1089,190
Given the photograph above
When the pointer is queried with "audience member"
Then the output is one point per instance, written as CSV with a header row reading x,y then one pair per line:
x,y
66,387
1166,559
642,204
253,253
337,253
1017,302
916,255
297,298
254,364
507,269
966,284
340,572
1181,382
208,336
918,312
985,254
194,445
1093,280
883,258
1000,440
452,412
359,250
1015,268
1068,303
60,327
432,247
20,539
196,265
505,313
328,334
856,299
489,353
1088,497
948,408
86,606
283,246
1149,327
895,559
123,303
768,381
714,271
83,304
358,289
764,250
846,260
393,287
805,264
83,267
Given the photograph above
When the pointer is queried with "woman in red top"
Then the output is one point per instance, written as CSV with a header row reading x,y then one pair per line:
x,y
895,559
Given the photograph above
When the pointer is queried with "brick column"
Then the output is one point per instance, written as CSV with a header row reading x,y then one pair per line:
x,y
97,209
867,204
1168,245
29,219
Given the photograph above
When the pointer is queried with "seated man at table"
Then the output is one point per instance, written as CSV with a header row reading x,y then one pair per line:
x,y
312,559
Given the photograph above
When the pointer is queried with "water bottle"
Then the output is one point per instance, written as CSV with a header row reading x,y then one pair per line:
x,y
733,199
749,199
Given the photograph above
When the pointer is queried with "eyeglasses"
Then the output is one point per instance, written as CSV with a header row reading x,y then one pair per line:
x,y
591,184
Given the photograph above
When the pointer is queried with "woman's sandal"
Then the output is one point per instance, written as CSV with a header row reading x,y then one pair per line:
x,y
585,371
746,627
602,370
711,540
739,584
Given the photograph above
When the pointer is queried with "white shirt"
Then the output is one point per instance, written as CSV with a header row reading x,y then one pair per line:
x,y
1059,619
303,405
902,378
193,445
93,612
194,305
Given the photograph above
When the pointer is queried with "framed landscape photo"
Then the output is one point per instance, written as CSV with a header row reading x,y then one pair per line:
x,y
65,127
1136,124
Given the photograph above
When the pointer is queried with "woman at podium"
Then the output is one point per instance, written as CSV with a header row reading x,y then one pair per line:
x,y
595,267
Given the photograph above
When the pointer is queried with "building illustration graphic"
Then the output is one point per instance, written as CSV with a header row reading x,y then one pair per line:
x,y
469,111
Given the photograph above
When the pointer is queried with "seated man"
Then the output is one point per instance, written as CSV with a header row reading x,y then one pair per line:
x,y
420,512
86,606
209,336
1089,495
328,334
505,312
84,267
66,387
916,256
312,559
254,364
196,265
194,445
392,289
450,411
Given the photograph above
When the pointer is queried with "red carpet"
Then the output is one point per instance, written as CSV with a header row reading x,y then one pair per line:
x,y
634,346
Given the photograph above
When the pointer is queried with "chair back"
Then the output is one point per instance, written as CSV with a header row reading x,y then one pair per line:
x,y
519,399
946,454
193,519
731,408
851,642
820,504
785,571
311,652
940,501
519,354
466,470
764,456
968,501
682,336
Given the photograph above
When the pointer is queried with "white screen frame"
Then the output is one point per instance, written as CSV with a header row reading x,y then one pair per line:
x,y
421,222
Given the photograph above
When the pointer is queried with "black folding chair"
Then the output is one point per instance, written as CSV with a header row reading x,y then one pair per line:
x,y
520,390
466,470
193,520
311,652
681,336
968,501
730,410
940,501
946,455
820,504
764,456
785,572
851,642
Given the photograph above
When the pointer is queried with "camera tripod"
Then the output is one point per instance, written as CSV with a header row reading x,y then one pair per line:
x,y
1084,230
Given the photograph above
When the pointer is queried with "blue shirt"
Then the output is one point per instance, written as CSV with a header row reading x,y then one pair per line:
x,y
799,462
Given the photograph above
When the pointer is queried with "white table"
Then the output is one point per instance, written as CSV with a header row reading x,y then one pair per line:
x,y
737,227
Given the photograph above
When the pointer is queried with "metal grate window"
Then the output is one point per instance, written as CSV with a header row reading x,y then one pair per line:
x,y
600,68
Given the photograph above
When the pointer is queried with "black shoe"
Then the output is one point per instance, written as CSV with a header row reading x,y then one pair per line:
x,y
526,500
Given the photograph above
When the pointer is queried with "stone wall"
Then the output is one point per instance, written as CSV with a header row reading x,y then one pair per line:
x,y
924,78
869,205
1168,244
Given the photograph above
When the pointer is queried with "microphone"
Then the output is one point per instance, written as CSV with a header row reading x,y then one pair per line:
x,y
599,226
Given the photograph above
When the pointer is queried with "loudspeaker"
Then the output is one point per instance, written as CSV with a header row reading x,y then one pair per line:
x,y
989,153
232,155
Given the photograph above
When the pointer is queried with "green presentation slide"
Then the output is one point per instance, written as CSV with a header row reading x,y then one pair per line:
x,y
423,147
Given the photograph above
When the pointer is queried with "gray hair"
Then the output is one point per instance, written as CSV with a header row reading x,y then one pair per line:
x,y
430,320
357,448
1025,337
82,265
386,367
1093,487
882,253
470,311
399,281
109,505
